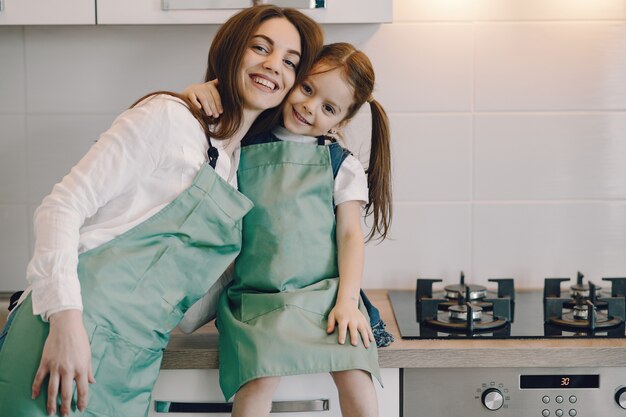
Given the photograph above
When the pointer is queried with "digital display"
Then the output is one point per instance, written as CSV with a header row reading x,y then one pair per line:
x,y
559,381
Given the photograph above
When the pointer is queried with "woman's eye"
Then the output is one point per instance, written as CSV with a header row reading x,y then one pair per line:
x,y
260,48
291,64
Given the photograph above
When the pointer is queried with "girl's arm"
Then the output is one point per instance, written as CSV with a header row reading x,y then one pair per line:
x,y
205,96
346,315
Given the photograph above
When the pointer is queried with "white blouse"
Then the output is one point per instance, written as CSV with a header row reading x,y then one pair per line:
x,y
150,154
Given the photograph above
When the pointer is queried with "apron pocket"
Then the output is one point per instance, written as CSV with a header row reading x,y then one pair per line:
x,y
318,298
125,375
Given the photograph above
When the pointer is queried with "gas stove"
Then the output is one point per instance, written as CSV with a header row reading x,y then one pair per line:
x,y
465,310
460,310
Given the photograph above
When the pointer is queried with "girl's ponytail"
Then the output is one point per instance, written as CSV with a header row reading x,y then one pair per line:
x,y
379,174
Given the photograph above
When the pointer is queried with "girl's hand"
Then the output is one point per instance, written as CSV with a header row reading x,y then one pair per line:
x,y
347,317
66,358
205,96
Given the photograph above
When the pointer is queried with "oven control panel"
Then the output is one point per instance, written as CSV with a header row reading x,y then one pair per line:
x,y
514,392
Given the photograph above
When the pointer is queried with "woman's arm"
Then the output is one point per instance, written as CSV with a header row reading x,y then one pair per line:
x,y
121,155
346,315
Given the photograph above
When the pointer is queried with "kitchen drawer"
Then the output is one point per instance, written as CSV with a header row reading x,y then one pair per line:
x,y
201,385
47,12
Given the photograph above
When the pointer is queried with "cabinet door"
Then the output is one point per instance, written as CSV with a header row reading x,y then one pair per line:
x,y
47,12
202,386
152,12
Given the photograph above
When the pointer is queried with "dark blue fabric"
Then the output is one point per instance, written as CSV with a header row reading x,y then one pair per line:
x,y
5,330
383,337
338,154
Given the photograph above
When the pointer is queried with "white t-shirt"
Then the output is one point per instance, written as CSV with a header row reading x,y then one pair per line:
x,y
150,154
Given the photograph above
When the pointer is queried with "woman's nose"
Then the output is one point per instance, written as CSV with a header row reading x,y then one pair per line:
x,y
272,63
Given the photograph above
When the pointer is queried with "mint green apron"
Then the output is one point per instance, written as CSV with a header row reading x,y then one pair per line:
x,y
272,320
135,290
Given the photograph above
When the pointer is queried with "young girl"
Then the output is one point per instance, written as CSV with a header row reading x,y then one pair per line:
x,y
279,316
141,228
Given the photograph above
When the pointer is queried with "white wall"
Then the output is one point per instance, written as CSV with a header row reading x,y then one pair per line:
x,y
508,118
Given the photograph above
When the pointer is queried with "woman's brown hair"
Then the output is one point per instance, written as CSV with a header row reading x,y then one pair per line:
x,y
359,73
225,56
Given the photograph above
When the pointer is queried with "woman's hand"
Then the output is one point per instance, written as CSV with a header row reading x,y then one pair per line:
x,y
205,96
346,316
66,358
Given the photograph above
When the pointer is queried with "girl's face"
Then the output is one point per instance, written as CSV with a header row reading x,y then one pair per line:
x,y
268,67
320,104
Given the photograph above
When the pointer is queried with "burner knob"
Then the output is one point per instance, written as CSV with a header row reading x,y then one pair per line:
x,y
492,399
620,398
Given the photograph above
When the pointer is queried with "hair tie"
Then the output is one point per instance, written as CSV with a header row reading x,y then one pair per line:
x,y
370,99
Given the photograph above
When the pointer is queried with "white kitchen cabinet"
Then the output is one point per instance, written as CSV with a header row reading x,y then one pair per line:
x,y
201,385
47,12
112,12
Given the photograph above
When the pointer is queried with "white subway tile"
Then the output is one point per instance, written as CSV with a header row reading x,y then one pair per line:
x,y
13,246
106,68
547,66
550,156
12,86
431,157
533,241
425,241
423,67
13,161
550,9
56,144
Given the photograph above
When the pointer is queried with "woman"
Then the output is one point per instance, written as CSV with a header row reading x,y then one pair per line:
x,y
142,227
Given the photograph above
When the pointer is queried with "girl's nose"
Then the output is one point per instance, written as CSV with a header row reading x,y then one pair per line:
x,y
307,107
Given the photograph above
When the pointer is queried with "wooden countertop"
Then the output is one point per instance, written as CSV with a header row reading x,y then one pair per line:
x,y
199,350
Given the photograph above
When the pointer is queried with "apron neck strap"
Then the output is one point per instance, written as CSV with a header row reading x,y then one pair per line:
x,y
212,153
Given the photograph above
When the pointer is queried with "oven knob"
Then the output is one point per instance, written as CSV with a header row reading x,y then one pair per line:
x,y
492,399
620,398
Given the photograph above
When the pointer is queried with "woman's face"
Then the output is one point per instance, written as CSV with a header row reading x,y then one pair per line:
x,y
268,67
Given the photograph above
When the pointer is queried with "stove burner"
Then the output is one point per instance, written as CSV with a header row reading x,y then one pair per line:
x,y
476,292
464,307
459,312
584,310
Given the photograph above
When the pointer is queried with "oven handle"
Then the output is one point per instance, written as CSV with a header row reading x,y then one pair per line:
x,y
208,407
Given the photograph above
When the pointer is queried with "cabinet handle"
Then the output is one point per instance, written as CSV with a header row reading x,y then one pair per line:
x,y
277,407
1,5
237,4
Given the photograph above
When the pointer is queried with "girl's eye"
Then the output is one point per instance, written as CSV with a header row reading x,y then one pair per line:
x,y
329,109
307,89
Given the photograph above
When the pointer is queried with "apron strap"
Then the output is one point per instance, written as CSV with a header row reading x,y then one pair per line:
x,y
212,153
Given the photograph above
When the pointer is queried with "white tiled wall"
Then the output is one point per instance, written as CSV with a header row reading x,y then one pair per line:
x,y
508,118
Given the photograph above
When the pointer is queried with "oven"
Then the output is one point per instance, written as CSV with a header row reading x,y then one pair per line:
x,y
563,309
514,392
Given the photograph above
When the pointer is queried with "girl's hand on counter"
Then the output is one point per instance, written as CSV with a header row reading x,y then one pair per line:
x,y
345,316
66,358
205,96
